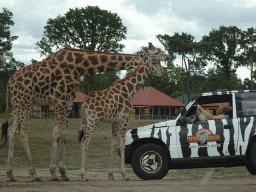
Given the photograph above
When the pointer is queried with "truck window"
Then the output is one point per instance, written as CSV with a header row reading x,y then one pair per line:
x,y
209,103
246,104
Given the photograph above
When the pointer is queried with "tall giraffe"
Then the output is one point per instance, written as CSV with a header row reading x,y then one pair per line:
x,y
113,104
54,81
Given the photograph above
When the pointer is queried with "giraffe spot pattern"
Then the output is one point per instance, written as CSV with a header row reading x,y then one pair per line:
x,y
93,60
60,57
79,58
112,64
103,58
55,81
69,57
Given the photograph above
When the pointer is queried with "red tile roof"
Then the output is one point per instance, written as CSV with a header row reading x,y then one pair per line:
x,y
149,96
79,97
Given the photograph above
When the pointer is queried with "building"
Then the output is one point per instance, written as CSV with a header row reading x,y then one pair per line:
x,y
150,103
75,113
48,110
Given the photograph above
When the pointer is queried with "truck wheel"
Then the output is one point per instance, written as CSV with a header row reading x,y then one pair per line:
x,y
251,167
150,161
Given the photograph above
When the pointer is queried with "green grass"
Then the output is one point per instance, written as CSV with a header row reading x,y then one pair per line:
x,y
2,115
40,142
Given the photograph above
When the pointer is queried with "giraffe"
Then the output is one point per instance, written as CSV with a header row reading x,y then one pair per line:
x,y
55,81
113,105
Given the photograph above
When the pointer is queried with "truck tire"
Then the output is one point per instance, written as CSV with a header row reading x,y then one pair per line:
x,y
251,167
150,162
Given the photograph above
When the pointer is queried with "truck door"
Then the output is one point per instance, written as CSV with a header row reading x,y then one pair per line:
x,y
246,113
209,138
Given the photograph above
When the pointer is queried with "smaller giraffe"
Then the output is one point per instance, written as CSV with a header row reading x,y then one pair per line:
x,y
113,104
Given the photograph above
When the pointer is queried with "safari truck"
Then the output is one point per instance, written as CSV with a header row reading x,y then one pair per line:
x,y
189,141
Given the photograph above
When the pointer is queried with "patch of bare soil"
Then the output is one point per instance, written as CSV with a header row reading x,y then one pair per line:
x,y
98,182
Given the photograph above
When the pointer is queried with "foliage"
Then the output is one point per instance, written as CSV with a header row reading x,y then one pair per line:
x,y
5,35
185,46
222,47
85,28
98,81
248,84
248,56
8,63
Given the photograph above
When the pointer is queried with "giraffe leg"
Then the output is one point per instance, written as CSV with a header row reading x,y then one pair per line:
x,y
22,133
32,171
62,143
56,137
84,147
123,125
115,127
11,138
62,168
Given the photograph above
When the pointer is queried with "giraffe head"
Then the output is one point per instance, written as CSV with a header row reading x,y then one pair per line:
x,y
155,56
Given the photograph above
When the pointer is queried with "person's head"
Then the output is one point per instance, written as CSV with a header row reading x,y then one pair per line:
x,y
224,108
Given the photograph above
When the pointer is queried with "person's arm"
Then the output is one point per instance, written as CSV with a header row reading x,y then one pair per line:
x,y
208,115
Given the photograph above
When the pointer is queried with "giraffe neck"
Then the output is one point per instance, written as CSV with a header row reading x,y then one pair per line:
x,y
135,80
87,61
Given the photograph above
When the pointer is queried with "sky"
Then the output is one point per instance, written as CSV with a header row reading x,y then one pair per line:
x,y
144,20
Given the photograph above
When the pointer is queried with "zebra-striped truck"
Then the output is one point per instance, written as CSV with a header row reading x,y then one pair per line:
x,y
191,142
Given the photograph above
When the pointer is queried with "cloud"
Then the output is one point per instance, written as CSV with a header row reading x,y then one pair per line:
x,y
211,14
147,7
144,19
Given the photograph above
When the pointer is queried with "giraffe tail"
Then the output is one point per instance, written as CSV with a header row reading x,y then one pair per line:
x,y
4,126
80,135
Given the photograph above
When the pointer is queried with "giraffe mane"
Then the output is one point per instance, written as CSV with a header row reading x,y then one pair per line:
x,y
92,51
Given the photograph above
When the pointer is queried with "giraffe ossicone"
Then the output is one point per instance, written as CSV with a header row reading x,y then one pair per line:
x,y
114,105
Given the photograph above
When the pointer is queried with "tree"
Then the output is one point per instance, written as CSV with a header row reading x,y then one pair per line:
x,y
184,45
85,28
98,81
5,34
222,47
248,84
248,57
8,64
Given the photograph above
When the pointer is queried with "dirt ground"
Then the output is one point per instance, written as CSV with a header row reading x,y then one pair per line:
x,y
98,182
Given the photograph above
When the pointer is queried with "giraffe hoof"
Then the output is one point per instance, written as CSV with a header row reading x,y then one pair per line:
x,y
54,179
37,180
11,180
126,178
84,180
64,179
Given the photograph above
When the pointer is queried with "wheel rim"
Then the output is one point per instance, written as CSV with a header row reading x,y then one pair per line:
x,y
151,161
